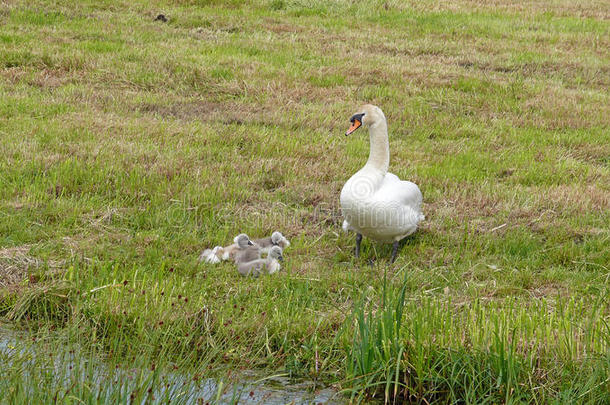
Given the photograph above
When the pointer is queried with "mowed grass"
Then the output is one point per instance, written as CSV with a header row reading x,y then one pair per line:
x,y
128,145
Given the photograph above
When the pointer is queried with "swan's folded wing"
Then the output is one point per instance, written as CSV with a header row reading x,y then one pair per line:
x,y
400,191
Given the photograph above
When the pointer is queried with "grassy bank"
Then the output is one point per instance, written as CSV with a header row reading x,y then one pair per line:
x,y
127,145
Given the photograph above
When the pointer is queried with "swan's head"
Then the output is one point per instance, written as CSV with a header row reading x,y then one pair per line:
x,y
243,241
278,239
367,115
276,253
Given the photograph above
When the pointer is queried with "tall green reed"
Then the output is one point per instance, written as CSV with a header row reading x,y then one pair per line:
x,y
431,350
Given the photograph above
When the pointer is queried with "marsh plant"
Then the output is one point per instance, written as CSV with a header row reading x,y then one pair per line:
x,y
431,352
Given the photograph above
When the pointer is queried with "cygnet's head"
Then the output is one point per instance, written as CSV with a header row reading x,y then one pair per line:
x,y
276,253
368,115
279,240
243,241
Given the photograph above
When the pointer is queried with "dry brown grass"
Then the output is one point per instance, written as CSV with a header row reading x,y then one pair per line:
x,y
598,9
18,265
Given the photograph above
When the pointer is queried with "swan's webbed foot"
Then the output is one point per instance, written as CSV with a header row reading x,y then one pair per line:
x,y
358,241
394,251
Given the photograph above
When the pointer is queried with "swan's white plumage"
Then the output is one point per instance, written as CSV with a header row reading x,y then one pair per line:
x,y
374,202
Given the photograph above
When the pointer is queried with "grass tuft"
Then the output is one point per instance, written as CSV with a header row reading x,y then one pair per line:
x,y
407,352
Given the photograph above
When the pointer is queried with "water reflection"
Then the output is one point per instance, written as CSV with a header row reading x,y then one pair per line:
x,y
32,362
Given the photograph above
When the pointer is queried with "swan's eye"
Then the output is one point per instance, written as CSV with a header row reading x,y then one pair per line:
x,y
356,117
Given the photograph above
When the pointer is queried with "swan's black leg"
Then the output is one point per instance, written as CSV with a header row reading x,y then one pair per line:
x,y
358,240
394,251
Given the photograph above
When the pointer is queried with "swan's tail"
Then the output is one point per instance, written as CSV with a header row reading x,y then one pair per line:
x,y
211,255
346,226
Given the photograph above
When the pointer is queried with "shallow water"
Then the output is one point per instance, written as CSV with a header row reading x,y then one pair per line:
x,y
247,387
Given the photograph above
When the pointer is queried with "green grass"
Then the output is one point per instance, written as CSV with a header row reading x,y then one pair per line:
x,y
128,145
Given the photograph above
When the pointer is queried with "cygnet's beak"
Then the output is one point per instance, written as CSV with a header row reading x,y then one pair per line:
x,y
250,243
355,125
281,258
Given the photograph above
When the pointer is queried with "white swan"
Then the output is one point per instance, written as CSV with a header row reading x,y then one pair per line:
x,y
375,203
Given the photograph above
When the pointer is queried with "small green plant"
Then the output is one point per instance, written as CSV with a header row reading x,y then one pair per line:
x,y
373,362
277,5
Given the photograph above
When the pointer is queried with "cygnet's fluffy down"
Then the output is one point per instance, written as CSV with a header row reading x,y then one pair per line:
x,y
260,246
271,264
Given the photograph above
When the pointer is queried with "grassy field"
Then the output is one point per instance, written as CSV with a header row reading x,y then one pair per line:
x,y
128,145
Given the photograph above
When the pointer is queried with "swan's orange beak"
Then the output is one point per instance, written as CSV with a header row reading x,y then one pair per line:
x,y
355,125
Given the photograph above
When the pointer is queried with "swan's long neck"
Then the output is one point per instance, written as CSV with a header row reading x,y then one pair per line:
x,y
379,155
